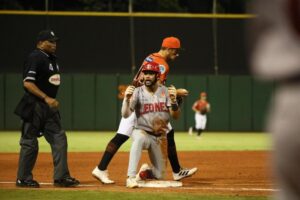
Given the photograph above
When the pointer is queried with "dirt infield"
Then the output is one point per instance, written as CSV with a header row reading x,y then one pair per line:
x,y
220,172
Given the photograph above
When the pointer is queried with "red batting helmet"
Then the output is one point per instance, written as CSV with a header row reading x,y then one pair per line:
x,y
151,66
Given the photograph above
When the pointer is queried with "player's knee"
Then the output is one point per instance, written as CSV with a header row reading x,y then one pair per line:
x,y
119,139
115,143
139,137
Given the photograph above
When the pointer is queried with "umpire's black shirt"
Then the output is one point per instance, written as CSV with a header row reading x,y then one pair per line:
x,y
42,69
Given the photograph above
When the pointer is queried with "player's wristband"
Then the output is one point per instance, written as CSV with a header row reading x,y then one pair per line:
x,y
174,106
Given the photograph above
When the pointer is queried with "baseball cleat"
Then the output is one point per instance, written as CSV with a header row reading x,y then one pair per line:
x,y
66,182
145,172
183,173
27,183
131,182
102,176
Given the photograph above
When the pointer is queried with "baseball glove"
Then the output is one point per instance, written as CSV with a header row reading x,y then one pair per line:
x,y
203,111
182,92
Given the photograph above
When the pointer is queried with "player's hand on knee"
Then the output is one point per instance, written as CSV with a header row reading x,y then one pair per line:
x,y
129,91
172,93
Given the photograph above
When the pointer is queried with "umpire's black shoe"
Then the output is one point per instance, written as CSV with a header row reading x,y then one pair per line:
x,y
66,182
27,183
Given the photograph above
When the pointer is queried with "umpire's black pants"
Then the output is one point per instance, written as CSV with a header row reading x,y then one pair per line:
x,y
47,121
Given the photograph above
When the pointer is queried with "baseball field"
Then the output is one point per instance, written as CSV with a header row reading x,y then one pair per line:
x,y
231,166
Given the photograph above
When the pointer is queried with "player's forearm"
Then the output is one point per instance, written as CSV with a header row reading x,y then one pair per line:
x,y
175,110
126,111
175,114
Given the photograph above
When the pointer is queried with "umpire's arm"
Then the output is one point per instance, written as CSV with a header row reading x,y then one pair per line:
x,y
33,89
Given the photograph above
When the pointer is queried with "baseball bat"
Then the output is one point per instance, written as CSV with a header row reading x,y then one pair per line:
x,y
135,81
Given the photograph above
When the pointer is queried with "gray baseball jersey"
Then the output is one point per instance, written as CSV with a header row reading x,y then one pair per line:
x,y
150,106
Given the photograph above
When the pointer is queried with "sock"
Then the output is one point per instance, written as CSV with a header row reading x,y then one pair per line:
x,y
172,153
199,131
111,149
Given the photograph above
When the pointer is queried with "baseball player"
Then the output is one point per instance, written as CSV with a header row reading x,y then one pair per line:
x,y
201,107
153,104
169,51
276,57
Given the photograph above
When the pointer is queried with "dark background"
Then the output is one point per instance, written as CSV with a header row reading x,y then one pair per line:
x,y
95,56
190,6
102,44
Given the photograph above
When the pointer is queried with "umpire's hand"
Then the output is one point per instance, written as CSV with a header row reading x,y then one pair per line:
x,y
52,103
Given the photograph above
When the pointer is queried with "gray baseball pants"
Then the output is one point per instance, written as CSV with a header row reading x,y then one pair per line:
x,y
155,146
47,121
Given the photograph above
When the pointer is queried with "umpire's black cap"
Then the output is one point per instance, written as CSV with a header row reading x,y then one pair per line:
x,y
47,35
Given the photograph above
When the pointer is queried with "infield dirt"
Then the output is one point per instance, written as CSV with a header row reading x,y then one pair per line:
x,y
219,172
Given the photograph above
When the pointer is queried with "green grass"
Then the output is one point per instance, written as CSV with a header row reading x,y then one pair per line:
x,y
26,194
96,141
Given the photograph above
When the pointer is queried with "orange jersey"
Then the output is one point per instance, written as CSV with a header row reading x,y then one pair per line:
x,y
163,66
200,105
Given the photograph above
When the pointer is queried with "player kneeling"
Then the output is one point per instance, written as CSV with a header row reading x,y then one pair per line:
x,y
154,105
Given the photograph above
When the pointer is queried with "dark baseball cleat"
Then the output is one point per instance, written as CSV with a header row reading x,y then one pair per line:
x,y
27,183
66,182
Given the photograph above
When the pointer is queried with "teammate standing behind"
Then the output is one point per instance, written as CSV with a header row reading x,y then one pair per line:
x,y
169,51
153,104
38,110
201,107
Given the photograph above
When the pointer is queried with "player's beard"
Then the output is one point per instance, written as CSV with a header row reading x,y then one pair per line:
x,y
150,83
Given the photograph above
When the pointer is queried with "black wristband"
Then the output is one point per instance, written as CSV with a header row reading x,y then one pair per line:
x,y
179,100
174,106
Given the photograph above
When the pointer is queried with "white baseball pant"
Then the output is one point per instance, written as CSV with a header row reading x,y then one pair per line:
x,y
200,121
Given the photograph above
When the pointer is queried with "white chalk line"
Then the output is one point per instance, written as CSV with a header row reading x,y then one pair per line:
x,y
180,188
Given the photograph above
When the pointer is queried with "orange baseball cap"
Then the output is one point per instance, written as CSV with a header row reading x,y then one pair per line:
x,y
171,42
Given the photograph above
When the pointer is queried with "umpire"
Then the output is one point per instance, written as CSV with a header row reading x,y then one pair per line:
x,y
38,110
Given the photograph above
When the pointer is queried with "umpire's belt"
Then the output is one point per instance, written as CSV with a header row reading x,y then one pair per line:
x,y
153,134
